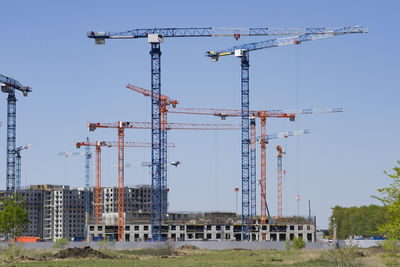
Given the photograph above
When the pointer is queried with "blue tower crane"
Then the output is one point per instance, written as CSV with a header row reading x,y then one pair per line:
x,y
18,165
155,37
242,51
10,85
88,157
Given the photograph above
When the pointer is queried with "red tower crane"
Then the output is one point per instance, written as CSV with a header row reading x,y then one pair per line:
x,y
98,145
164,101
280,153
121,126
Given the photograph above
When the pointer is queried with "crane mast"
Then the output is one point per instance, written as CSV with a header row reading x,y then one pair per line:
x,y
18,165
253,168
280,153
88,156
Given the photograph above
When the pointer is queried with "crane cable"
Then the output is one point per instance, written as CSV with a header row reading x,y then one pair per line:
x,y
297,77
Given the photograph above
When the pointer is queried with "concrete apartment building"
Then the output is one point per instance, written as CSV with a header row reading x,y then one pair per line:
x,y
64,213
58,211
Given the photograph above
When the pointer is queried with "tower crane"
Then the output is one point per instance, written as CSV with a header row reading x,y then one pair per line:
x,y
88,156
165,101
280,153
242,52
156,190
98,145
155,37
18,165
266,140
9,86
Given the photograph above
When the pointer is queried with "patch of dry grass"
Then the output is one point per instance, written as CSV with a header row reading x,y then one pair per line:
x,y
196,257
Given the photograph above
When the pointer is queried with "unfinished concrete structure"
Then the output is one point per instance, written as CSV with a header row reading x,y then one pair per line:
x,y
207,226
136,199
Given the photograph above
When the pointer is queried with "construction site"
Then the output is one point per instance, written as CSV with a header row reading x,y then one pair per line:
x,y
143,212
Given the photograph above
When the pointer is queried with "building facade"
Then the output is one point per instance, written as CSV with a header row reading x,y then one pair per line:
x,y
202,232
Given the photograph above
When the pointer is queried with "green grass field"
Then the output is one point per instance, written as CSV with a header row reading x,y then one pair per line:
x,y
188,257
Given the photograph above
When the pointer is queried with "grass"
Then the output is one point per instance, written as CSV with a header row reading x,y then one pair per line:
x,y
169,257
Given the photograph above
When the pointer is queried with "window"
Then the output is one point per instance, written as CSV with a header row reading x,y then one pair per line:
x,y
146,228
208,228
173,227
291,227
182,227
136,227
227,227
99,228
218,227
208,236
91,228
300,227
218,236
127,228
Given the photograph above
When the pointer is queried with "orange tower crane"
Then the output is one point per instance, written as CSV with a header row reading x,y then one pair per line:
x,y
121,126
280,153
98,145
164,102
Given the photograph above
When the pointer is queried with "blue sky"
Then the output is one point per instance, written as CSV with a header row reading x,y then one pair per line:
x,y
44,45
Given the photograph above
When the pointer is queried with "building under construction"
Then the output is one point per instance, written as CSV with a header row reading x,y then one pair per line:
x,y
58,211
218,226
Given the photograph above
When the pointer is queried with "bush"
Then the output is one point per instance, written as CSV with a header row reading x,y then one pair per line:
x,y
391,247
344,256
61,243
299,243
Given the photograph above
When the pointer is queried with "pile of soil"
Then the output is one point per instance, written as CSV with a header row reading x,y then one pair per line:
x,y
85,252
188,247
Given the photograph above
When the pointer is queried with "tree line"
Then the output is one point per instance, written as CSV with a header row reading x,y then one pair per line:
x,y
357,221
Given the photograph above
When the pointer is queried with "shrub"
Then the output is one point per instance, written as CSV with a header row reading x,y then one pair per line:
x,y
299,243
344,256
391,247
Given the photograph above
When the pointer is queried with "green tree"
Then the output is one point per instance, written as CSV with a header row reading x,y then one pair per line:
x,y
14,219
390,197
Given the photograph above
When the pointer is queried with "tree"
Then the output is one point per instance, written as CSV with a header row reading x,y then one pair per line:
x,y
14,219
390,197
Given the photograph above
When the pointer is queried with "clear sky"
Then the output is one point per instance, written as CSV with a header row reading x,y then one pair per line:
x,y
44,45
